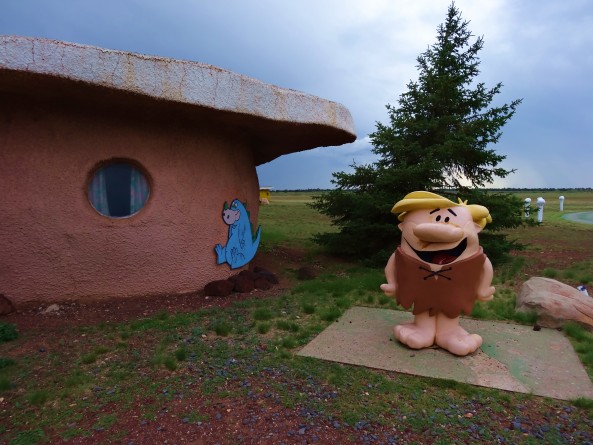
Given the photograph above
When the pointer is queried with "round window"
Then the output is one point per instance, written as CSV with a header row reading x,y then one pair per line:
x,y
118,190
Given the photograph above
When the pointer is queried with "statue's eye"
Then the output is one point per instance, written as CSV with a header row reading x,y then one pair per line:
x,y
438,218
447,219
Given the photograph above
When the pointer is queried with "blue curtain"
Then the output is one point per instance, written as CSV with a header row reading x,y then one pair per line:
x,y
138,191
118,176
98,193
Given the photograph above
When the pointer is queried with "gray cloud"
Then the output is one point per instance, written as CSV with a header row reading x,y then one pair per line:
x,y
362,54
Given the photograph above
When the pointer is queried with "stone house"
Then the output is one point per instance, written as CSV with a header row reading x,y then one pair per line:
x,y
114,167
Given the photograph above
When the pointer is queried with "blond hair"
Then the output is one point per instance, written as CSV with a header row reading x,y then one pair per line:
x,y
429,200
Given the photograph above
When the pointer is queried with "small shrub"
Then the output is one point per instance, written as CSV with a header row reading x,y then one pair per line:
x,y
287,326
344,302
29,437
330,314
263,328
550,273
170,363
569,274
525,317
308,308
38,397
577,332
584,403
89,358
181,354
8,332
5,384
262,314
6,362
221,327
384,299
289,342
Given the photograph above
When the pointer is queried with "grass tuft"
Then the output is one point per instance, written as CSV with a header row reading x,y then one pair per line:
x,y
222,327
584,403
262,314
181,354
5,384
330,314
308,308
263,328
285,325
8,332
6,362
38,397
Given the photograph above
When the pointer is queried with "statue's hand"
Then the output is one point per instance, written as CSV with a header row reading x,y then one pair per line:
x,y
486,294
388,289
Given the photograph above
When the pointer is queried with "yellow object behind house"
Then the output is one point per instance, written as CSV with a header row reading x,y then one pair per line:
x,y
264,195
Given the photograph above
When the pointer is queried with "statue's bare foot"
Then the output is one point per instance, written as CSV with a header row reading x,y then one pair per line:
x,y
414,336
457,341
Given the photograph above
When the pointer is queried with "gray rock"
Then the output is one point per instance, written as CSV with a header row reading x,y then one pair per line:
x,y
52,308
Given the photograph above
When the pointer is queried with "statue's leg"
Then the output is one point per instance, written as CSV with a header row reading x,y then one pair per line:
x,y
419,333
453,338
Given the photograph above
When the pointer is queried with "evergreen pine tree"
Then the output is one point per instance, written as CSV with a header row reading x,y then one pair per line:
x,y
437,140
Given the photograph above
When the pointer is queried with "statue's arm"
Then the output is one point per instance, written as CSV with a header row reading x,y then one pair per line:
x,y
391,286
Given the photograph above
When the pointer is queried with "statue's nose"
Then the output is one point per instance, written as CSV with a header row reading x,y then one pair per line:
x,y
438,232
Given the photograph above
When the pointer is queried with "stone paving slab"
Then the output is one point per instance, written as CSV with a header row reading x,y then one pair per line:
x,y
512,357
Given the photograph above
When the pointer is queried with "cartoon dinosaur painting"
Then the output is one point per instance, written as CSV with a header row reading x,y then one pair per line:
x,y
241,246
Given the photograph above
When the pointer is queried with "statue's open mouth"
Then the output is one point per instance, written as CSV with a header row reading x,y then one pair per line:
x,y
441,256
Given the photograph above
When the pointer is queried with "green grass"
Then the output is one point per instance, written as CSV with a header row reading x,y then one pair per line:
x,y
8,332
290,222
582,341
263,328
6,362
262,314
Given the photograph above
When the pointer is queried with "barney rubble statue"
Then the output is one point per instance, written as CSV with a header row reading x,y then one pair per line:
x,y
440,269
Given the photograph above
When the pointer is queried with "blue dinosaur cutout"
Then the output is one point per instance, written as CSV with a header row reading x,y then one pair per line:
x,y
241,246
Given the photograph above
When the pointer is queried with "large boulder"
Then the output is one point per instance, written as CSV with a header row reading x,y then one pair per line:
x,y
555,303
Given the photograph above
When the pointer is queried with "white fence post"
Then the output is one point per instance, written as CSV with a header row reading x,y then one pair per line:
x,y
540,209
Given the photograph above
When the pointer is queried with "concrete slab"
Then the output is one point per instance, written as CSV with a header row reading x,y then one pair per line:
x,y
512,357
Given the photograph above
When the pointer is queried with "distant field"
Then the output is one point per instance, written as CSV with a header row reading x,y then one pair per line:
x,y
289,220
574,201
557,247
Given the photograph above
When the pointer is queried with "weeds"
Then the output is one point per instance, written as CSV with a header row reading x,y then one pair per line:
x,y
222,327
308,308
8,332
582,341
330,314
6,362
37,397
262,314
263,328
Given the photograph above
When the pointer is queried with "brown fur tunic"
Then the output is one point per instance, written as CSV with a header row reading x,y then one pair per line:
x,y
452,290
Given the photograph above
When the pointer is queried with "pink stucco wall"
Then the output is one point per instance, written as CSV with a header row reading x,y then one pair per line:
x,y
54,245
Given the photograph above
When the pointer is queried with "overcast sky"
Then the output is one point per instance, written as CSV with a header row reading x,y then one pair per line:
x,y
362,54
